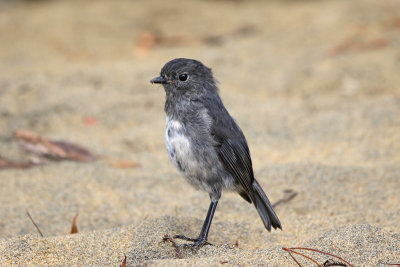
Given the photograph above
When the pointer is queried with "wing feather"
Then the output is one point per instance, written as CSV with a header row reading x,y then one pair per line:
x,y
236,160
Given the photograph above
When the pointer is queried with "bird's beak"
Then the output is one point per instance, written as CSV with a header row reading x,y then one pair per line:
x,y
159,79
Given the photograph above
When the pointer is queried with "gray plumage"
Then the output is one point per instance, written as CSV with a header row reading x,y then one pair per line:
x,y
204,142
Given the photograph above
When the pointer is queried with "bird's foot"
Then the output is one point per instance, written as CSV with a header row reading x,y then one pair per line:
x,y
197,242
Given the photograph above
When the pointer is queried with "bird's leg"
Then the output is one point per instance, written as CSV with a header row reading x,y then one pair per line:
x,y
202,239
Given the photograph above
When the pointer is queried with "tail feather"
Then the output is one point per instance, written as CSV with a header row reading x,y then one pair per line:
x,y
264,208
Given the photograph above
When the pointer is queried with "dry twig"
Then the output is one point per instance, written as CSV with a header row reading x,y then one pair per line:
x,y
174,244
37,227
329,262
291,194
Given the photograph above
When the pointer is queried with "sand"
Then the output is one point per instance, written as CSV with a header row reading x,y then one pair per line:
x,y
313,84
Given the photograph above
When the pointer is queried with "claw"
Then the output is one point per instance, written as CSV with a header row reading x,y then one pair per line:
x,y
197,242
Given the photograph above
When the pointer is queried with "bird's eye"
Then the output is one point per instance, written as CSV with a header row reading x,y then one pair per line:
x,y
183,77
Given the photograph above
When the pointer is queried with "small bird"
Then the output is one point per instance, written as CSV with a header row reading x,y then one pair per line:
x,y
205,144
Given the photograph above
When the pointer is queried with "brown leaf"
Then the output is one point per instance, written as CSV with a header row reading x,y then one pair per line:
x,y
5,164
74,152
74,227
124,262
90,121
125,164
148,40
40,146
358,44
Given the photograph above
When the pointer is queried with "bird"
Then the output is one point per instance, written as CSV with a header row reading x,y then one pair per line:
x,y
205,143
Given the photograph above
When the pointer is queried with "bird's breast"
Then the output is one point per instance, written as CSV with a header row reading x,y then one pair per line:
x,y
194,155
177,143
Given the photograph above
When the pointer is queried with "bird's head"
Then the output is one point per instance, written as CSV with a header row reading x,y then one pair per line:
x,y
185,76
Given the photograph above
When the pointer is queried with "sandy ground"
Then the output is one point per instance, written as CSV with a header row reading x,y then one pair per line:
x,y
314,85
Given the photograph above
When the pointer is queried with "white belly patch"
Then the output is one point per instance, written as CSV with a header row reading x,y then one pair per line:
x,y
178,146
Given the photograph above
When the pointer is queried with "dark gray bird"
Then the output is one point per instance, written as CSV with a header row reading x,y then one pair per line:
x,y
204,142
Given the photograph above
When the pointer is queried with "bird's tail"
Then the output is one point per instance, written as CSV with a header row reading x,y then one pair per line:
x,y
264,208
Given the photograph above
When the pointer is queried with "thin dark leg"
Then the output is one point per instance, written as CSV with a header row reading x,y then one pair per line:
x,y
208,220
202,239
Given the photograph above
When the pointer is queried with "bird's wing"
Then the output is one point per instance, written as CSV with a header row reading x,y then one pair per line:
x,y
236,160
232,149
